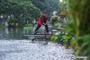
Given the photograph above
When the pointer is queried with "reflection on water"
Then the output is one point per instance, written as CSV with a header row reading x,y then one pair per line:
x,y
13,33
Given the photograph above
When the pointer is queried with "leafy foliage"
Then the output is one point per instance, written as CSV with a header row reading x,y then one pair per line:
x,y
20,9
47,5
79,13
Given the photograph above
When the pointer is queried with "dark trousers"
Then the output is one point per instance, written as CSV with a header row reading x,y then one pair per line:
x,y
46,28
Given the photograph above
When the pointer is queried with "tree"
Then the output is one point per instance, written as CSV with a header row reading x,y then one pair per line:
x,y
79,13
47,5
18,8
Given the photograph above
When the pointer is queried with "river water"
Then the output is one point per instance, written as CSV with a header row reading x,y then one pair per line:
x,y
14,46
13,33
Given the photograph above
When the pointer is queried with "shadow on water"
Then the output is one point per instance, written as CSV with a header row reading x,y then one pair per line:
x,y
13,33
17,34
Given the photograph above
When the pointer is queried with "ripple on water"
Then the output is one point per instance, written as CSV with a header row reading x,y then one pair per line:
x,y
26,50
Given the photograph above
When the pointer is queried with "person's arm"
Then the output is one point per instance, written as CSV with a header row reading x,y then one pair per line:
x,y
46,21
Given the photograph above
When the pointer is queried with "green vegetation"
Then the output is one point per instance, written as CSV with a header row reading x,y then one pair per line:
x,y
22,7
28,27
47,5
80,25
19,10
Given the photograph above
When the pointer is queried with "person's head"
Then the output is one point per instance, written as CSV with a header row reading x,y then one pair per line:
x,y
44,13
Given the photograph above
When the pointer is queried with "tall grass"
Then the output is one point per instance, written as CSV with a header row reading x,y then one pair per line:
x,y
79,12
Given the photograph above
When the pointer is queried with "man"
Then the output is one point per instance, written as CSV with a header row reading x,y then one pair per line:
x,y
43,20
55,20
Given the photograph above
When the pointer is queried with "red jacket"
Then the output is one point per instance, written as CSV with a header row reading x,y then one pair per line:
x,y
42,20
